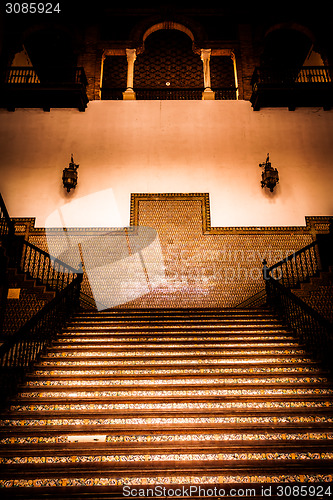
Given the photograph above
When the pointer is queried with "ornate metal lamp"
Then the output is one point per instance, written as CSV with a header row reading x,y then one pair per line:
x,y
270,175
69,175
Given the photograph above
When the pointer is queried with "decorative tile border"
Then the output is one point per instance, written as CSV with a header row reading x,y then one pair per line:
x,y
313,224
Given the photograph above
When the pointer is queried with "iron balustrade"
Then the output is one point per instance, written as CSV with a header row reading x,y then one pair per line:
x,y
21,350
315,331
297,268
7,235
289,77
22,75
168,93
44,268
38,264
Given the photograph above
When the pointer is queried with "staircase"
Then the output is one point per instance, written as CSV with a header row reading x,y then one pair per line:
x,y
176,398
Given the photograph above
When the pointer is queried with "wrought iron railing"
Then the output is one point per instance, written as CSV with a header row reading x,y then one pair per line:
x,y
226,94
315,331
290,77
28,258
168,93
7,232
44,268
21,350
297,268
20,75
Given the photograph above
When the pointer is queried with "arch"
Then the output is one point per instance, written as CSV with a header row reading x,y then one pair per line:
x,y
291,26
286,44
155,23
168,25
51,50
168,60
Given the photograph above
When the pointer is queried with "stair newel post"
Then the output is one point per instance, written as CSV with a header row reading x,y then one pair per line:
x,y
266,280
77,290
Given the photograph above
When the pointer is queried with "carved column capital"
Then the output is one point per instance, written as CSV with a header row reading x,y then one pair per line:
x,y
131,55
205,54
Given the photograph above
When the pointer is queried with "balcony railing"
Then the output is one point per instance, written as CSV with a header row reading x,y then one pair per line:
x,y
292,87
228,93
44,88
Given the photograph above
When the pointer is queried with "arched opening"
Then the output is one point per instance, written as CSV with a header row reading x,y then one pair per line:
x,y
168,62
286,47
51,54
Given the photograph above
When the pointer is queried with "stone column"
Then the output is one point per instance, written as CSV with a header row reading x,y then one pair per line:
x,y
205,57
131,57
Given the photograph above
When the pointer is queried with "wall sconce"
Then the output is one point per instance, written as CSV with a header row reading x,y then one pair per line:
x,y
69,175
270,175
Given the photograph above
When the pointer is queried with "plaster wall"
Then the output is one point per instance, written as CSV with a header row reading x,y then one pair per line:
x,y
126,147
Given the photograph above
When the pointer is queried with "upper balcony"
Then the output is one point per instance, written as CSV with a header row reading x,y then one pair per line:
x,y
27,87
307,86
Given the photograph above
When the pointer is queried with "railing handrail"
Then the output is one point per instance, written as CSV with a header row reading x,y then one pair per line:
x,y
52,258
296,268
21,350
306,307
178,93
264,74
315,330
292,256
78,73
12,339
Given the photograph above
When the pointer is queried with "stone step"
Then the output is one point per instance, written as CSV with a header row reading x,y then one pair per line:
x,y
36,379
181,311
183,323
98,336
183,361
106,401
54,368
101,454
178,400
41,423
151,436
256,336
71,352
169,349
214,484
55,372
67,343
174,463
